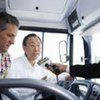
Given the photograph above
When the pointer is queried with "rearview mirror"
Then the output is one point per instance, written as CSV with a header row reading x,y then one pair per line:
x,y
63,52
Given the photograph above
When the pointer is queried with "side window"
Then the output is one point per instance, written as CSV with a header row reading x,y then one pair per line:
x,y
95,48
78,50
50,44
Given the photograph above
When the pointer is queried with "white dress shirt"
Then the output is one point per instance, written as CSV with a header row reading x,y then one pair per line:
x,y
21,68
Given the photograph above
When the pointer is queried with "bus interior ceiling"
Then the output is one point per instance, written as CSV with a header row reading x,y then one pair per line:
x,y
75,15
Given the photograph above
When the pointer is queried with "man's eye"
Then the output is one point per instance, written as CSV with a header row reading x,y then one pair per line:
x,y
10,35
32,46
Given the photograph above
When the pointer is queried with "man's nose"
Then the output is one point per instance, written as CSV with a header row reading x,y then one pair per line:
x,y
12,41
36,48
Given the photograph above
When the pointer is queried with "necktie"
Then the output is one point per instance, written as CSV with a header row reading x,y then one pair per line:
x,y
5,63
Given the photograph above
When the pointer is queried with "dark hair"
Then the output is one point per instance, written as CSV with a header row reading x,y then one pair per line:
x,y
6,18
29,35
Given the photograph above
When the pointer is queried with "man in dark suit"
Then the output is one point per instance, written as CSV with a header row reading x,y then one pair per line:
x,y
87,71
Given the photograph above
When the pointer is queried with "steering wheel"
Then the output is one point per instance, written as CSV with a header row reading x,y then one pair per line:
x,y
77,87
42,85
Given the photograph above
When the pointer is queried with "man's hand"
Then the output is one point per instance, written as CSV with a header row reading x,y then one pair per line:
x,y
61,67
69,78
